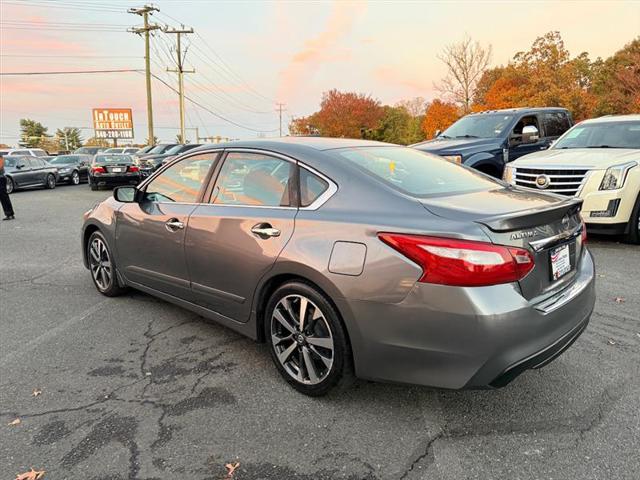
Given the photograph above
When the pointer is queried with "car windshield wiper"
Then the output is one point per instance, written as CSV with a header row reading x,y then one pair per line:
x,y
602,146
467,136
443,136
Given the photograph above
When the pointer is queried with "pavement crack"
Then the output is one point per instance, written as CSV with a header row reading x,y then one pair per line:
x,y
426,452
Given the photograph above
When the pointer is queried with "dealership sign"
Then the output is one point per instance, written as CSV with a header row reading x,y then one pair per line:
x,y
113,122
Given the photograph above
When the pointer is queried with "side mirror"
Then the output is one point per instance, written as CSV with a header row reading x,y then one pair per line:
x,y
20,166
125,194
530,134
438,132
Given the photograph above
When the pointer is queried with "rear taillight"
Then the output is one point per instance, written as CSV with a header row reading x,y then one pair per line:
x,y
462,263
133,168
98,170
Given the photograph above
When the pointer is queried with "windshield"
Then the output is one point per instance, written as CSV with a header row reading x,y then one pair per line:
x,y
601,135
416,173
478,126
64,159
113,159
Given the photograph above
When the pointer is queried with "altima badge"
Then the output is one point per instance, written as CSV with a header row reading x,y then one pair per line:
x,y
523,234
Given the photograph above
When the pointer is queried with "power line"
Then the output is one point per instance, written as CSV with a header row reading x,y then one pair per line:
x,y
22,55
71,72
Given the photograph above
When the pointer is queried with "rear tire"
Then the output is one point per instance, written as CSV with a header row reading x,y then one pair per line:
x,y
10,185
51,182
314,357
633,236
102,266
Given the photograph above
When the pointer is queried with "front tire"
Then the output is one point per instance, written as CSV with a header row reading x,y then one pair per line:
x,y
51,182
308,342
75,178
10,185
102,266
633,236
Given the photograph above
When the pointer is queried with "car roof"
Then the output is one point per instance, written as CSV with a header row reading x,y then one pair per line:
x,y
520,110
632,117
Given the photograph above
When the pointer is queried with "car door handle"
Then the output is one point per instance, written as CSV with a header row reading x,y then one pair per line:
x,y
265,230
174,224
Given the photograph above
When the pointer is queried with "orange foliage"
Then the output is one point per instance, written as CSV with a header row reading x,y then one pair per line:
x,y
439,116
347,114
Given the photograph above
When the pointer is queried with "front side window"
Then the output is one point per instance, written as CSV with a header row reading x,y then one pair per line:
x,y
416,173
182,181
602,135
253,179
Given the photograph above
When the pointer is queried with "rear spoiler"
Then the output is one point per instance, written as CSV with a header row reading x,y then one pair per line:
x,y
533,217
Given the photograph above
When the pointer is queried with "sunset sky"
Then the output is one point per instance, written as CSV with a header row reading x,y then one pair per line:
x,y
286,52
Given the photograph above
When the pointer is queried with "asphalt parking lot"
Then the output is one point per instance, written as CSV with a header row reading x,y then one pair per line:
x,y
135,388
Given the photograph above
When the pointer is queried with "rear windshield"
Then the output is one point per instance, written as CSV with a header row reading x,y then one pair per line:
x,y
602,135
113,159
416,173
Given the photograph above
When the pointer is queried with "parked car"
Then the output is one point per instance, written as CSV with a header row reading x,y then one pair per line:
x,y
72,169
125,150
150,163
598,161
88,150
488,140
350,256
110,170
33,152
144,150
24,171
158,149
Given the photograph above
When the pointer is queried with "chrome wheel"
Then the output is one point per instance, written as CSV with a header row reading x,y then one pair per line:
x,y
100,264
9,185
75,178
51,182
302,339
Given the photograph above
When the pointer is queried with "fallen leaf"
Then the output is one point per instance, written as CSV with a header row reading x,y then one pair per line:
x,y
17,421
32,475
611,342
231,467
619,299
36,392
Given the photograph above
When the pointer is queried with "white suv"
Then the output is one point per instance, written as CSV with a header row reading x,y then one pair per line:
x,y
33,152
597,160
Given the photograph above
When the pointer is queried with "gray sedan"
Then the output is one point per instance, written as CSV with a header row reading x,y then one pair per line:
x,y
353,258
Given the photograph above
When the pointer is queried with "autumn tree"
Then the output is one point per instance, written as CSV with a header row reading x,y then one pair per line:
x,y
97,142
302,126
439,116
347,114
466,62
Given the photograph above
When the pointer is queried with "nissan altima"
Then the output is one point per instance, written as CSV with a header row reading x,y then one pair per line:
x,y
354,259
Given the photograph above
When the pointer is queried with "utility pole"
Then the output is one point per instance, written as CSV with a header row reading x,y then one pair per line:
x,y
180,71
144,12
280,109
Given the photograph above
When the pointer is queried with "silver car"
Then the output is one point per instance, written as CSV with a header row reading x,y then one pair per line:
x,y
354,258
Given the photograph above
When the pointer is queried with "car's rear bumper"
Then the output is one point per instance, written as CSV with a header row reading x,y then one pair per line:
x,y
454,337
112,180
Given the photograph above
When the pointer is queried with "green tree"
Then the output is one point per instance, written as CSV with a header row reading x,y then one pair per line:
x,y
154,142
398,126
69,138
32,133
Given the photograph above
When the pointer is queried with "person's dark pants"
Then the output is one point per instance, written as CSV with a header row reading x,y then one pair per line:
x,y
4,197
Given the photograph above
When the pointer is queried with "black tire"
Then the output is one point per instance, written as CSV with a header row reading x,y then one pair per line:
x,y
313,377
10,185
107,281
75,178
50,182
633,235
93,186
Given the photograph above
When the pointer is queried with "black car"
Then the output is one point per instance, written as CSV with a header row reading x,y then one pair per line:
x,y
73,168
150,163
113,170
26,171
89,150
488,140
158,149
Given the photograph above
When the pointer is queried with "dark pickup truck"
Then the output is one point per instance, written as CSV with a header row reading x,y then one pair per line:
x,y
488,140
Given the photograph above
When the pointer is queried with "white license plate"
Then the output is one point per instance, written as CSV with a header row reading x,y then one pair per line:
x,y
117,169
560,261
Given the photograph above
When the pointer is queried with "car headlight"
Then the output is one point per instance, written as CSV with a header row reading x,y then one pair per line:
x,y
615,176
454,158
509,174
63,170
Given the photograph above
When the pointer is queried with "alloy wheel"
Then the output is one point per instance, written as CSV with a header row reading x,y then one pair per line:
x,y
75,178
302,339
9,185
100,264
51,181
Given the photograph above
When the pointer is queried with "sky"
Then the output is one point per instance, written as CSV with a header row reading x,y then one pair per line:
x,y
251,55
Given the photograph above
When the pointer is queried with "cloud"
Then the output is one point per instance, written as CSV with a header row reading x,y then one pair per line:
x,y
412,81
323,48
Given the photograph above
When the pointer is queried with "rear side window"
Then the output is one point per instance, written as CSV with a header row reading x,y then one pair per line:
x,y
254,180
414,172
555,124
39,153
182,181
311,187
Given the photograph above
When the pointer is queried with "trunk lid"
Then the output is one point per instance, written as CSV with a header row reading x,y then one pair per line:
x,y
541,223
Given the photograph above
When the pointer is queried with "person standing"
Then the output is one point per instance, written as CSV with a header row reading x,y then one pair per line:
x,y
4,196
